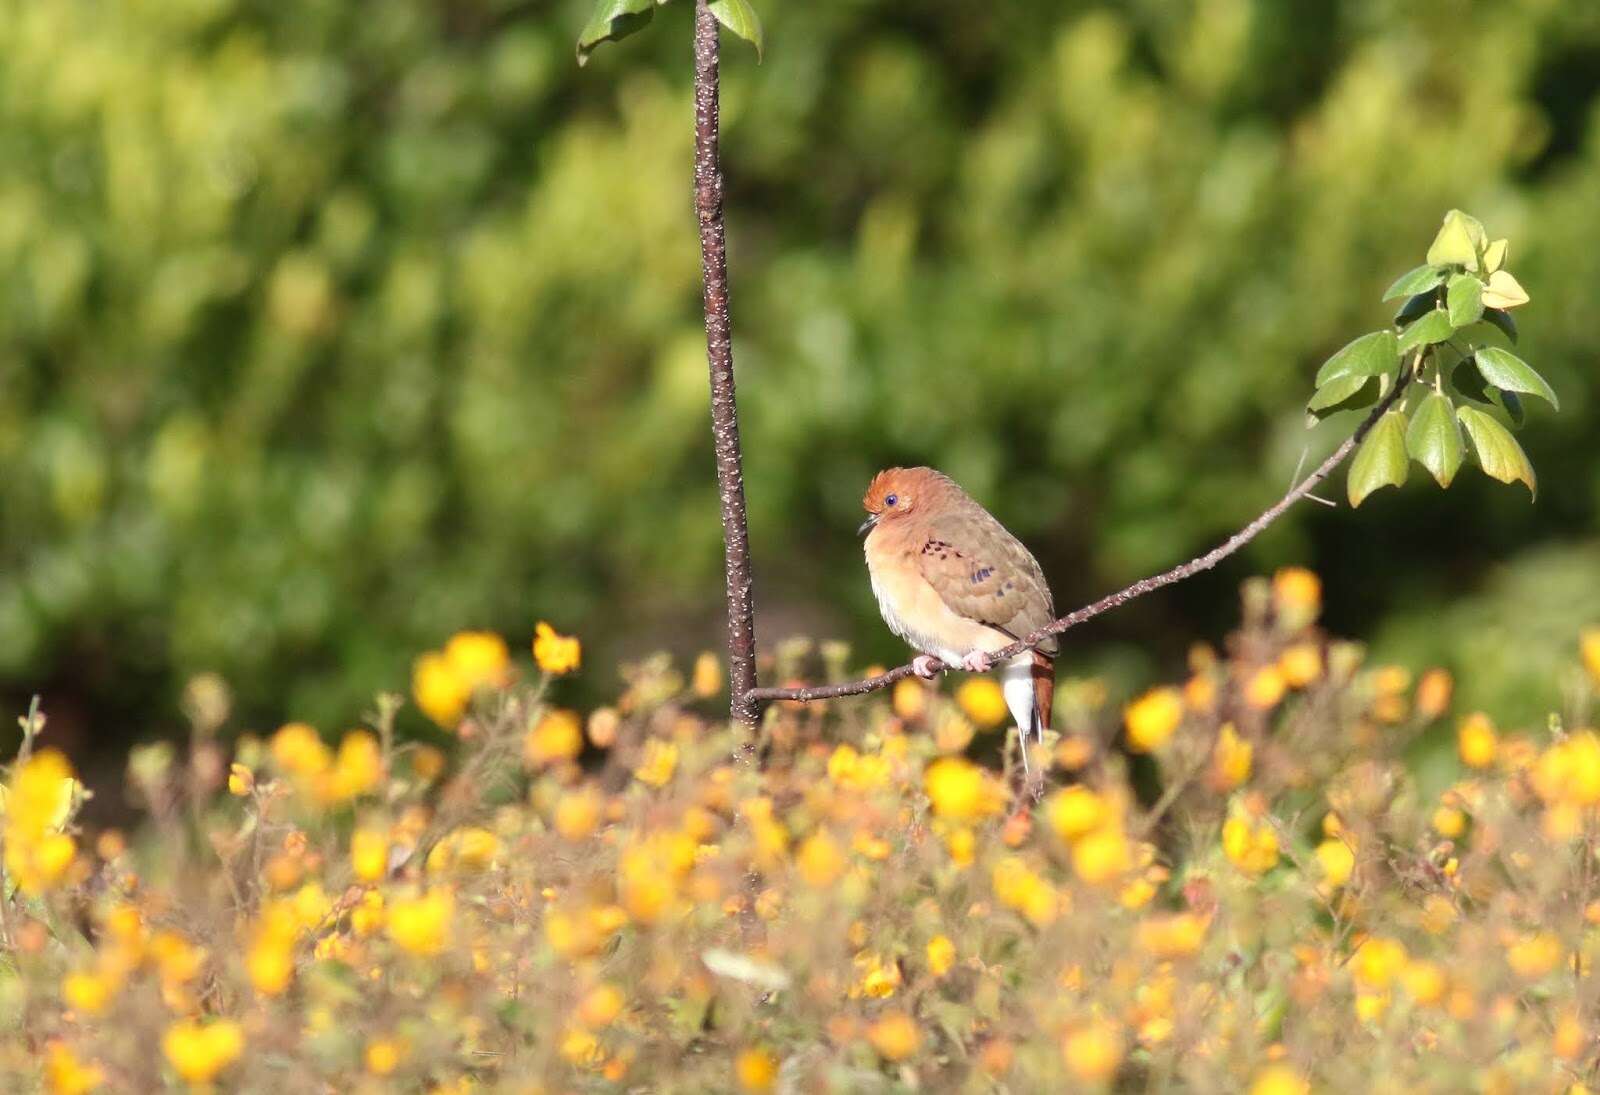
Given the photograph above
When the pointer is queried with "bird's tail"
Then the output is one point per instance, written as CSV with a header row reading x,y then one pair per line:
x,y
1043,673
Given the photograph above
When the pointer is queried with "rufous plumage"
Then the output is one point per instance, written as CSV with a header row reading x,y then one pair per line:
x,y
952,582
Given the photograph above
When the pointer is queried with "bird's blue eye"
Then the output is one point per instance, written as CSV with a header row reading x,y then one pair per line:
x,y
890,500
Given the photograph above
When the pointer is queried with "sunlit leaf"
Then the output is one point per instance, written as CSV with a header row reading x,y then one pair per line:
x,y
1431,328
1434,440
1457,242
1381,459
1506,370
1494,256
1464,298
1419,280
1498,452
612,21
1370,355
1504,291
739,17
1345,393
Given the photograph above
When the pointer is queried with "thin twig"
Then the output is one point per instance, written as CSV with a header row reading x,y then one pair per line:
x,y
719,357
1137,589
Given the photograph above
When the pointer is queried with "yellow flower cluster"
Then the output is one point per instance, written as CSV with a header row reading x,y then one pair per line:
x,y
443,681
861,908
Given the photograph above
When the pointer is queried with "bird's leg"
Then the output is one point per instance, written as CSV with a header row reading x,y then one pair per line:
x,y
923,666
977,662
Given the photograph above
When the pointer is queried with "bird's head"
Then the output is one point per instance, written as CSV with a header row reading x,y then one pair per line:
x,y
896,493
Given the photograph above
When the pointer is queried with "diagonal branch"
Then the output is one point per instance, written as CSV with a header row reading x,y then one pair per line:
x,y
1137,589
719,356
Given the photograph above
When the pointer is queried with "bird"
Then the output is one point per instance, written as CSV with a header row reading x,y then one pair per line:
x,y
956,585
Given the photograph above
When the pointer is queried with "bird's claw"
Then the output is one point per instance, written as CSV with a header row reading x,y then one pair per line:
x,y
977,662
923,665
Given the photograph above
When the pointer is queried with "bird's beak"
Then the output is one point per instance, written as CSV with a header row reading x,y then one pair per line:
x,y
866,526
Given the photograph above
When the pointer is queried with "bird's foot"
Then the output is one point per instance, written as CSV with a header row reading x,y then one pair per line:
x,y
977,662
925,666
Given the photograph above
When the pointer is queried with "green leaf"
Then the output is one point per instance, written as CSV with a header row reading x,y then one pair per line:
x,y
612,21
1498,452
1507,371
1434,439
1431,328
1370,355
1418,305
1457,242
1345,393
1464,296
1420,280
1381,459
1503,320
739,17
1512,405
1467,381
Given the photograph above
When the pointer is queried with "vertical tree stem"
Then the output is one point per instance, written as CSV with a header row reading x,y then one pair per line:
x,y
719,356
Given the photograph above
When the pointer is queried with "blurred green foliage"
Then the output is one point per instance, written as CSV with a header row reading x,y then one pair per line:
x,y
331,328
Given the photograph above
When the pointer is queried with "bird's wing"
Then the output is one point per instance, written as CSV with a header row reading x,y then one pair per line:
x,y
984,573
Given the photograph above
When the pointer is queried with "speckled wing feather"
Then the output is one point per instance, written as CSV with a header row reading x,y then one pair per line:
x,y
984,573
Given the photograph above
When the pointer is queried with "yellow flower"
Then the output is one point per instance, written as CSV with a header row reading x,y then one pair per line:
x,y
1569,771
1297,593
197,1053
38,863
478,658
38,802
1265,688
1020,888
88,993
941,955
1101,856
1475,741
1425,981
1589,647
299,750
556,737
1378,961
383,1055
961,791
1433,693
369,854
581,1048
64,1074
1337,860
1230,759
875,978
577,813
1152,718
269,963
1533,956
895,1036
476,847
1094,1051
1449,822
659,763
241,781
1279,1080
555,653
706,680
982,701
1299,665
1076,810
600,1005
961,845
820,860
440,694
1178,935
421,925
910,698
1252,846
756,1071
357,769
848,768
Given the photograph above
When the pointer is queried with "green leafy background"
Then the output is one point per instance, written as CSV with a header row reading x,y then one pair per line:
x,y
332,328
